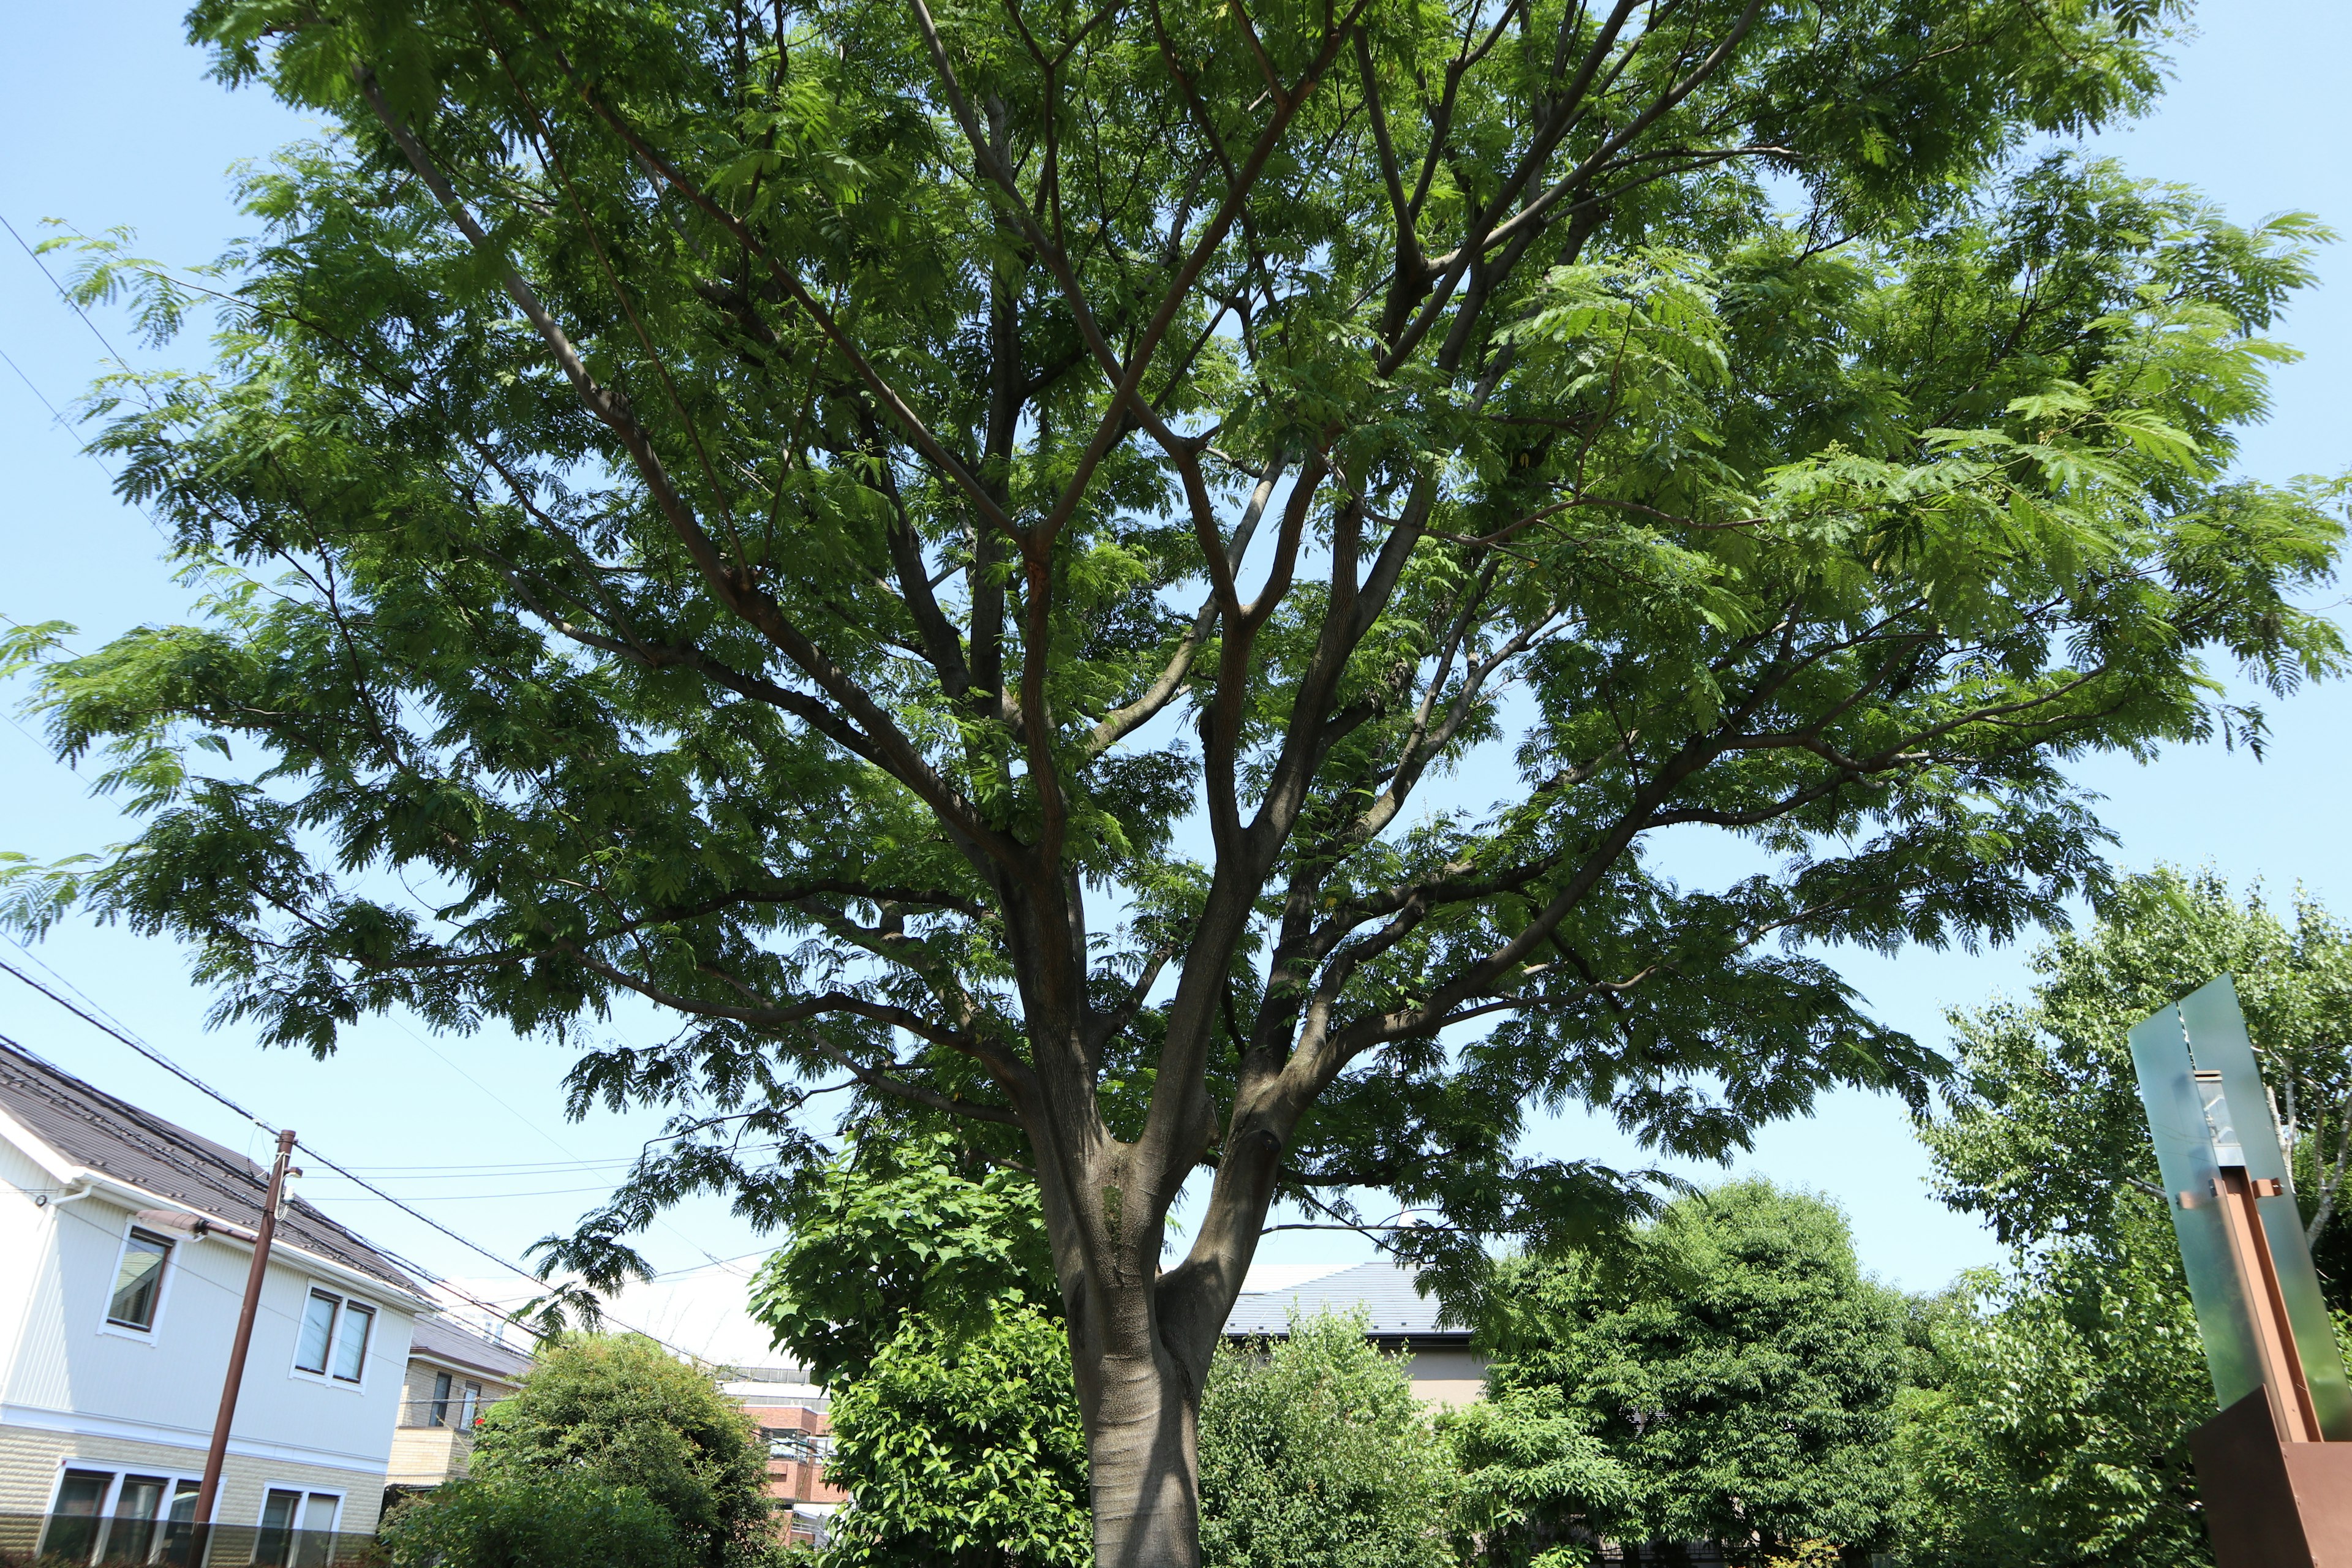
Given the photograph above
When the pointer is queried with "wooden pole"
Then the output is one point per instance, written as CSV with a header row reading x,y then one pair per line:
x,y
208,1493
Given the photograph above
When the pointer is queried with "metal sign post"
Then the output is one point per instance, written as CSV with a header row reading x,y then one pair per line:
x,y
2274,1468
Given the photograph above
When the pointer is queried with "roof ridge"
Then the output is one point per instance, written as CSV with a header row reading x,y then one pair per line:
x,y
220,1172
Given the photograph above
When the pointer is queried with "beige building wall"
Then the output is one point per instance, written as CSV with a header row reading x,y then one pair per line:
x,y
31,1459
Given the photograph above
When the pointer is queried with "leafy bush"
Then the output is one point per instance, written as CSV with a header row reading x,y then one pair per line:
x,y
1735,1360
621,1410
2055,1428
963,1450
1315,1454
559,1520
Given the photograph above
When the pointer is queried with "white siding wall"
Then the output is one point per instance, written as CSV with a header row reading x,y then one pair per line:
x,y
71,1374
25,1254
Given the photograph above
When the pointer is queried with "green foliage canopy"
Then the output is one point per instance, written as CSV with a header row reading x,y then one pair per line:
x,y
1734,1362
623,1411
963,1449
2051,1425
901,1233
562,1519
2044,1134
919,1291
947,547
1316,1453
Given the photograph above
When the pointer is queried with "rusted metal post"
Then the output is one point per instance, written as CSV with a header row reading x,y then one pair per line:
x,y
208,1493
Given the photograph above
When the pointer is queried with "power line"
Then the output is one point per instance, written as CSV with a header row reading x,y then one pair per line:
x,y
72,303
160,1059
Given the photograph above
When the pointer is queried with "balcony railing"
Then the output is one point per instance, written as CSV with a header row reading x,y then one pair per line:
x,y
450,1412
96,1541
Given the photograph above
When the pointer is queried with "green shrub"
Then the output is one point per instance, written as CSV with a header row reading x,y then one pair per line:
x,y
963,1451
621,1409
1317,1455
562,1519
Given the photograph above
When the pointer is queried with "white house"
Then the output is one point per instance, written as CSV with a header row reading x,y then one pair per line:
x,y
115,1327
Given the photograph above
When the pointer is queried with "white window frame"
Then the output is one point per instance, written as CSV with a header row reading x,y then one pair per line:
x,y
105,1323
303,1491
343,1301
342,1499
172,1479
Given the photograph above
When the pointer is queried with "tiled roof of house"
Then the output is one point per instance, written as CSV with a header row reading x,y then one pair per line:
x,y
92,1129
441,1339
1382,1290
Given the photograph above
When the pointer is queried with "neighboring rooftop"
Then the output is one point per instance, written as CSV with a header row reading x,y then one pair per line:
x,y
93,1130
438,1338
1383,1290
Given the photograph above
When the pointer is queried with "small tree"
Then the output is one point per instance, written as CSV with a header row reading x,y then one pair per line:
x,y
1315,1454
560,1519
1734,1361
620,1409
2051,1428
1533,1479
962,1451
918,1287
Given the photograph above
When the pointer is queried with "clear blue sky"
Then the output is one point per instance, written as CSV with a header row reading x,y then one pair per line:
x,y
111,122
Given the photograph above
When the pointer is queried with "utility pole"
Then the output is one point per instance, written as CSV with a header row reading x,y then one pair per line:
x,y
209,1493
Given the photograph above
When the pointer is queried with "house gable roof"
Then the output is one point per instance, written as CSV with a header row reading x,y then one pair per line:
x,y
95,1131
1383,1290
438,1338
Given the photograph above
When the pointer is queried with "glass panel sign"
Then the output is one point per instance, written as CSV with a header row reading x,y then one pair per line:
x,y
2202,1090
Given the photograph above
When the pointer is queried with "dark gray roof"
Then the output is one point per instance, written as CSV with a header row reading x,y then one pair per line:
x,y
1383,1290
444,1341
92,1129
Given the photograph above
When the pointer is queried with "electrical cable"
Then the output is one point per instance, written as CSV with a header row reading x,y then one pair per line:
x,y
160,1059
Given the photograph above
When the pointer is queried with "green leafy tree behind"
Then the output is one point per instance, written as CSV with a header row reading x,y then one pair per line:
x,y
963,1450
1735,1363
918,1286
621,1409
2043,1134
1532,1479
562,1519
943,549
2049,1427
2058,1431
1316,1453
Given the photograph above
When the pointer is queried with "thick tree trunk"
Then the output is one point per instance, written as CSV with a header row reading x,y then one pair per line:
x,y
1142,1444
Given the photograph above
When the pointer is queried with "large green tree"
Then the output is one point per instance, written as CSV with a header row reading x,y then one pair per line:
x,y
948,548
2043,1134
1735,1364
620,1408
2056,1430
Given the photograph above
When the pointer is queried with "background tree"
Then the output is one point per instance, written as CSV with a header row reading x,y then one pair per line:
x,y
2043,1134
2058,1429
1738,1366
963,1451
2050,1426
561,1519
1532,1479
949,550
621,1410
1316,1453
918,1286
